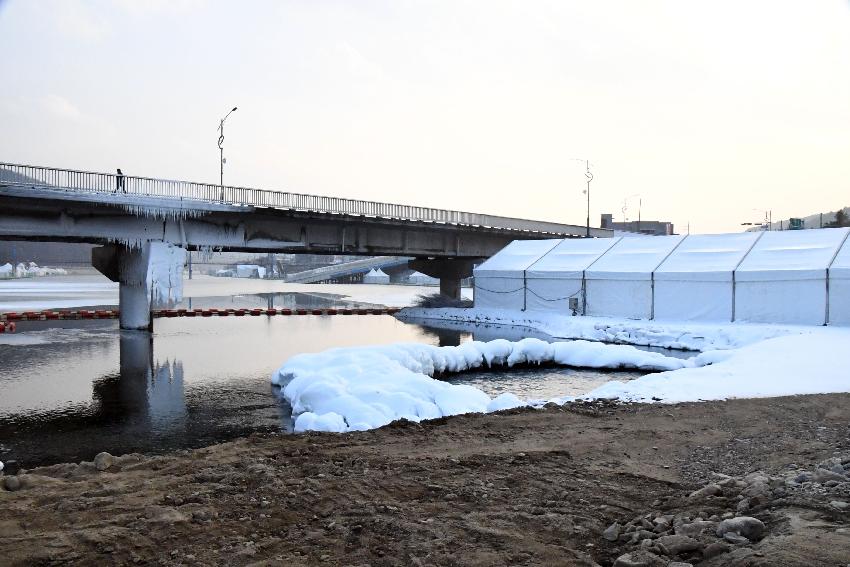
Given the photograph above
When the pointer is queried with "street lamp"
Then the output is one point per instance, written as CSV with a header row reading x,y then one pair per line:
x,y
766,224
626,207
589,177
221,150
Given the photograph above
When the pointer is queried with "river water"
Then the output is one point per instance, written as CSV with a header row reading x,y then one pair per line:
x,y
70,389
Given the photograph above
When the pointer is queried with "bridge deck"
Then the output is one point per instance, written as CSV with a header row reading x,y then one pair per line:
x,y
190,196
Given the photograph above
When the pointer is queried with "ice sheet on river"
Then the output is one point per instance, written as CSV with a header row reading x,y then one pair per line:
x,y
366,387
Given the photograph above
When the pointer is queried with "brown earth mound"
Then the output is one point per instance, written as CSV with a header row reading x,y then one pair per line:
x,y
525,487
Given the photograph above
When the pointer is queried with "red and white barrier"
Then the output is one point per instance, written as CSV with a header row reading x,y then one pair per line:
x,y
7,319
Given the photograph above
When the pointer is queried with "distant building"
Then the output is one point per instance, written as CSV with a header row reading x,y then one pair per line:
x,y
818,220
648,227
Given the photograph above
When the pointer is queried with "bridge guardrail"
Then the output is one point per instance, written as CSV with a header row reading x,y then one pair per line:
x,y
94,182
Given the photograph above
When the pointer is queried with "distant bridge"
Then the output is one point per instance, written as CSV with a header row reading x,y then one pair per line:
x,y
124,213
359,266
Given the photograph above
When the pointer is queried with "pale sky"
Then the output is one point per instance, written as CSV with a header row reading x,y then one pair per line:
x,y
710,111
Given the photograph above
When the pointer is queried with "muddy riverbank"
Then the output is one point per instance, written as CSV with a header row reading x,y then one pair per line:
x,y
526,487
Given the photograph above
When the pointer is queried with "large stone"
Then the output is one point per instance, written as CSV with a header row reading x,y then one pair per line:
x,y
823,475
695,528
676,544
706,491
750,528
757,490
103,461
12,483
612,532
714,549
840,505
732,537
639,559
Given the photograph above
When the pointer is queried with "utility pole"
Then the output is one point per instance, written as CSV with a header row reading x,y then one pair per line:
x,y
589,177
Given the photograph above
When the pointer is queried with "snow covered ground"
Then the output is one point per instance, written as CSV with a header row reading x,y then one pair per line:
x,y
367,387
81,290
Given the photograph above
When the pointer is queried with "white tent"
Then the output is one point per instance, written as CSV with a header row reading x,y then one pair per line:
x,y
500,281
559,275
839,287
376,277
783,278
695,283
418,278
619,283
247,271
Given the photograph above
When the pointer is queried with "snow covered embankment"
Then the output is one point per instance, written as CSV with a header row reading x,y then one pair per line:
x,y
367,387
361,388
782,366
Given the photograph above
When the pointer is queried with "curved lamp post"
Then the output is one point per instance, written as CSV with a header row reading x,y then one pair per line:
x,y
221,151
589,176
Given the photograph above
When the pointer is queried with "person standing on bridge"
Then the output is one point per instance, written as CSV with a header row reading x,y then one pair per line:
x,y
119,181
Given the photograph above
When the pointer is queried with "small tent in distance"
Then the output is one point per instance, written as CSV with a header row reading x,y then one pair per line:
x,y
376,277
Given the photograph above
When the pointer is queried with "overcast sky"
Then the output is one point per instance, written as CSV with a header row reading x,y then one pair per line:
x,y
711,112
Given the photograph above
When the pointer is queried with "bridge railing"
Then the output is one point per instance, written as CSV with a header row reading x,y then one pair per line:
x,y
93,182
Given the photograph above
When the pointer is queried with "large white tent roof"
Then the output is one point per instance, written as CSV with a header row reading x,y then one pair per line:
x,y
570,258
515,257
633,258
707,256
793,254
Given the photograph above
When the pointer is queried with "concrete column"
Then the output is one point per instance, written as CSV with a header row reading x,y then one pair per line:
x,y
448,270
149,274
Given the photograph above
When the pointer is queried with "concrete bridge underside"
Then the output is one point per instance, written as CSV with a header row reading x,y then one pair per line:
x,y
125,224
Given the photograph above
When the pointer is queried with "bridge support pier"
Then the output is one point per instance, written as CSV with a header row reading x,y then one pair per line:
x,y
149,274
450,271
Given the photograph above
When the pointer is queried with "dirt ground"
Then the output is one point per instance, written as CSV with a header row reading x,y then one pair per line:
x,y
524,487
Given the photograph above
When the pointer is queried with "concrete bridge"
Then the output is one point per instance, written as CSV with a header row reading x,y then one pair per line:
x,y
145,225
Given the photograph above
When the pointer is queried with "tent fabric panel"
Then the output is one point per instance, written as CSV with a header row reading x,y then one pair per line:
x,y
801,302
621,276
793,250
781,275
516,256
619,298
640,255
699,254
677,300
839,301
499,293
696,277
552,295
571,256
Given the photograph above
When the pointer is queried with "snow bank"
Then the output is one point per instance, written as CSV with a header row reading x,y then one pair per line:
x,y
664,334
366,387
28,270
782,366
